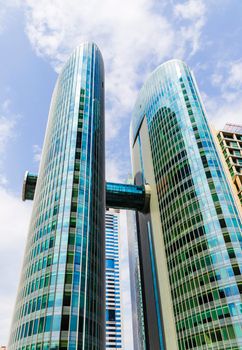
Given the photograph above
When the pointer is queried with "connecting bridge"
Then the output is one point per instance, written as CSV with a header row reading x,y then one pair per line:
x,y
118,196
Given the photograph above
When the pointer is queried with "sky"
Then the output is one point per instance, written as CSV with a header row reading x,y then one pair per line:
x,y
135,36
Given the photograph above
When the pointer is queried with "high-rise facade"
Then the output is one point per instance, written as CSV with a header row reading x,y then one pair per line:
x,y
190,241
230,141
60,302
113,298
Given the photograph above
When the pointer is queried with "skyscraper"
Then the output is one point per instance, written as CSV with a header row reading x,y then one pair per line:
x,y
230,140
113,297
61,298
190,241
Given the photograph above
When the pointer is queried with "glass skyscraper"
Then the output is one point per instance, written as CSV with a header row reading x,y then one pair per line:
x,y
113,297
190,241
60,302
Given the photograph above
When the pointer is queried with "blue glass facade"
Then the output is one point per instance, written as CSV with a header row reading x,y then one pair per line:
x,y
200,227
61,292
113,302
127,196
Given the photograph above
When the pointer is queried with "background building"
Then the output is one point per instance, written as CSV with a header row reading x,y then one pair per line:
x,y
190,242
230,140
113,297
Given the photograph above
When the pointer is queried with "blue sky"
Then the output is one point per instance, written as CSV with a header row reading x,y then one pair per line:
x,y
135,37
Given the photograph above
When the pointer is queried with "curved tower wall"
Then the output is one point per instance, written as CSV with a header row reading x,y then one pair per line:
x,y
192,236
61,292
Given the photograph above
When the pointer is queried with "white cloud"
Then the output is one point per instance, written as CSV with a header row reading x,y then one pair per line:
x,y
190,9
231,82
117,168
7,132
223,112
131,35
193,12
13,236
227,105
37,150
235,75
216,79
7,123
5,8
228,79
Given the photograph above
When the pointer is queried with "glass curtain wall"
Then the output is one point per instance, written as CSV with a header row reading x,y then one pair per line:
x,y
61,292
201,227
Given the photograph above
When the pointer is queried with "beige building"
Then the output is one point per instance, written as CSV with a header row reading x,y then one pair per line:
x,y
230,141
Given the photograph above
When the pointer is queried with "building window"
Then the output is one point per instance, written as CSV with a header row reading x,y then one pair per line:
x,y
109,263
110,315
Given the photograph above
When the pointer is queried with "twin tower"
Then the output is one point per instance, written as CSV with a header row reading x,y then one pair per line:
x,y
188,225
